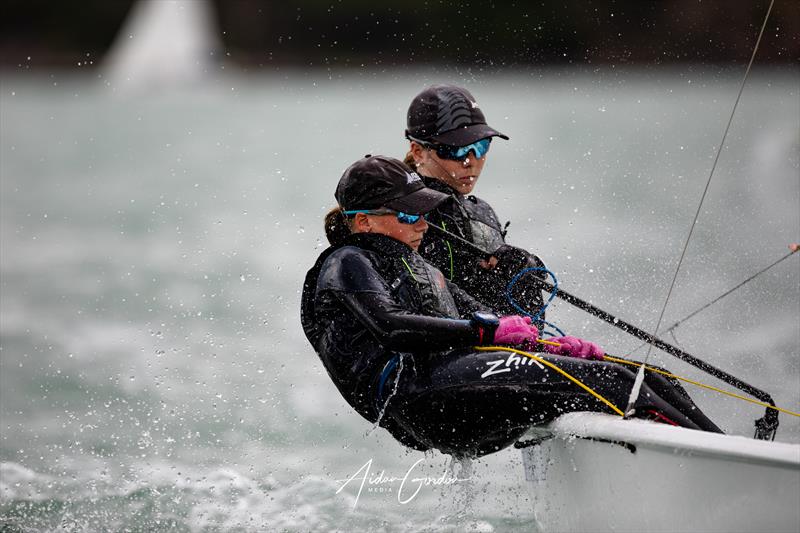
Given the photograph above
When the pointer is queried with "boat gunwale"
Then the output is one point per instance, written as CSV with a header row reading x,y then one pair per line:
x,y
682,441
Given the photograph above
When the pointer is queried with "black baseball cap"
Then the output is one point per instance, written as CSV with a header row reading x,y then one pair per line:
x,y
378,181
447,114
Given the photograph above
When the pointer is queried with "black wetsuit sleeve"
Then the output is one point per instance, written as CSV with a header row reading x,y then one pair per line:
x,y
308,319
349,276
399,330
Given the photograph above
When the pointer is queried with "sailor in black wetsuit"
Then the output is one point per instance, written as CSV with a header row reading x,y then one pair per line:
x,y
397,338
449,140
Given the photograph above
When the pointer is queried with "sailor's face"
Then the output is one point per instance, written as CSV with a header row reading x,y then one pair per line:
x,y
410,234
460,175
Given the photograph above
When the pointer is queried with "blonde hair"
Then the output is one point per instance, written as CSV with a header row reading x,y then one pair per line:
x,y
409,161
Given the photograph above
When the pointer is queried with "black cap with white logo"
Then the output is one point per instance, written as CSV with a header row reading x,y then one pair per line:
x,y
447,114
378,181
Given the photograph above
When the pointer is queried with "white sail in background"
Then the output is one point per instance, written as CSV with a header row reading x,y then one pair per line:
x,y
164,43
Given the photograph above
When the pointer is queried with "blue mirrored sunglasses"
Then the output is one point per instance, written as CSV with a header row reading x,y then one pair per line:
x,y
405,218
457,153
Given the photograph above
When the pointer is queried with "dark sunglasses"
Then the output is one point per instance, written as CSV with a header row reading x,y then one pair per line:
x,y
404,218
457,153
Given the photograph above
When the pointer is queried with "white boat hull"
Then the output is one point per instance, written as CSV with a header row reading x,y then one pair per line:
x,y
596,472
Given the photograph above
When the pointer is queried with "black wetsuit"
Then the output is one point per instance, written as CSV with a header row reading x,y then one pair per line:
x,y
394,334
474,220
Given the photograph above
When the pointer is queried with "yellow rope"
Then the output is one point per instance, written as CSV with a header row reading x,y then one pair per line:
x,y
551,343
626,362
554,367
703,385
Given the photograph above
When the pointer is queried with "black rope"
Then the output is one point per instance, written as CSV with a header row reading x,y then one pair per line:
x,y
765,427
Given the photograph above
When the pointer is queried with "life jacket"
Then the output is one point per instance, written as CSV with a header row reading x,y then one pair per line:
x,y
474,220
370,263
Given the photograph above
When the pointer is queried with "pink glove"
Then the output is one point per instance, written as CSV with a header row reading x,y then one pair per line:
x,y
516,331
574,347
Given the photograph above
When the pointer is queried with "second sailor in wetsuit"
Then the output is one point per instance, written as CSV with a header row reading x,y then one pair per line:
x,y
398,339
449,140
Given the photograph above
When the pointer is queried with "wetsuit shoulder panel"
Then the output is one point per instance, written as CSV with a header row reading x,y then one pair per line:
x,y
349,269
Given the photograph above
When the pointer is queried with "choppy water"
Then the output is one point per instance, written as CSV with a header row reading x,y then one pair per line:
x,y
154,375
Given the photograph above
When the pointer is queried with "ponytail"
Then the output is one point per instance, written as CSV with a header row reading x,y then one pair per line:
x,y
337,228
409,161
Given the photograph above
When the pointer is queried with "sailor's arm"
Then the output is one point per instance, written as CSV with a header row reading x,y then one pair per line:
x,y
349,276
399,330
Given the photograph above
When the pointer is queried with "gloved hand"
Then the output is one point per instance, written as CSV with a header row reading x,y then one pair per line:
x,y
510,260
574,347
516,331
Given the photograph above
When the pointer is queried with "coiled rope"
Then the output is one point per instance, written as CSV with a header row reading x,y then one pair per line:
x,y
515,305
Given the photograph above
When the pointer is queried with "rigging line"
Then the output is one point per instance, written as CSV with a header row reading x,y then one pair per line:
x,y
671,328
637,384
720,297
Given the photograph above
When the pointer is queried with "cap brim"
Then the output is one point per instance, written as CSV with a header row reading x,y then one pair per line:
x,y
467,135
418,202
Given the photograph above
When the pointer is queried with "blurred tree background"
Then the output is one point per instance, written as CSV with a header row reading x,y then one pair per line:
x,y
494,35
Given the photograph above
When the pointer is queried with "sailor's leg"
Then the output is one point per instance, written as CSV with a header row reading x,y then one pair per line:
x,y
674,383
615,382
678,398
671,390
498,383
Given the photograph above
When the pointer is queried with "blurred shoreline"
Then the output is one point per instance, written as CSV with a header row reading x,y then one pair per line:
x,y
153,371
